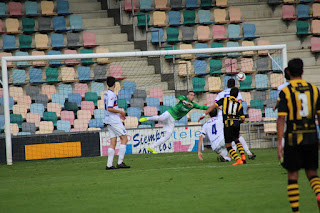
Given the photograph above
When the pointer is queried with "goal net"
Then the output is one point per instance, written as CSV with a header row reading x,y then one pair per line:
x,y
61,95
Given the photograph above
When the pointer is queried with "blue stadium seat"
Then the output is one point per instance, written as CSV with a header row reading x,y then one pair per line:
x,y
174,18
155,35
202,46
205,17
24,133
63,125
59,98
146,5
11,102
2,122
200,67
31,8
65,89
55,63
249,31
182,122
96,123
169,100
22,63
276,63
125,94
233,44
76,23
19,76
269,113
273,94
97,87
245,107
57,41
84,73
63,8
37,108
194,116
134,112
130,85
153,102
35,75
75,97
59,24
99,113
3,9
261,81
303,11
9,43
192,4
234,32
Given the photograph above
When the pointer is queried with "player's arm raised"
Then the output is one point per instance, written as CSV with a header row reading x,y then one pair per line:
x,y
215,105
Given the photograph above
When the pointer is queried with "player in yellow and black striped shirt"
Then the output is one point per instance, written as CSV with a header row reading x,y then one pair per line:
x,y
232,113
299,102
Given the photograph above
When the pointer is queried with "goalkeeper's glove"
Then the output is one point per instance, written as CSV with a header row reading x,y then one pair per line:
x,y
187,103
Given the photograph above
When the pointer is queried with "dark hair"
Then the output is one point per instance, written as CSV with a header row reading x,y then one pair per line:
x,y
286,75
231,83
111,81
234,92
213,113
295,67
190,92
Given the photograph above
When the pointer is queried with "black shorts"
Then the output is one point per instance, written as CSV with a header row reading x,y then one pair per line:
x,y
231,133
300,156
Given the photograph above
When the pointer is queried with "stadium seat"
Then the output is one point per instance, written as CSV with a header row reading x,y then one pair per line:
x,y
128,5
63,8
248,44
63,125
262,63
11,101
187,34
245,107
76,24
186,56
159,19
35,75
29,127
15,9
28,25
9,43
75,97
315,27
276,63
270,114
91,96
48,90
276,80
215,66
235,15
191,4
172,34
316,10
270,103
68,116
73,40
261,81
246,84
116,71
50,116
288,12
182,122
122,103
125,94
134,112
220,16
54,63
222,3
256,104
156,93
200,67
315,44
204,17
153,102
176,4
31,8
202,46
47,8
71,62
42,99
198,84
97,87
303,11
141,19
58,98
189,17
33,118
84,73
52,75
84,115
3,9
81,88
233,44
274,94
45,127
1,27
214,84
155,35
146,5
249,31
99,72
254,115
67,74
246,96
216,45
20,109
195,117
42,41
86,61
31,91
131,122
38,63
65,89
37,108
96,123
57,41
102,60
164,108
218,32
54,107
140,94
88,105
99,114
14,129
182,67
161,5
24,100
206,3
263,42
231,66
89,39
129,85
18,76
210,99
234,32
247,65
169,101
259,95
71,106
302,27
44,25
174,18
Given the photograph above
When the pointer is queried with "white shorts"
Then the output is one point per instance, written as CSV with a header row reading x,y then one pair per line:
x,y
221,149
168,122
116,130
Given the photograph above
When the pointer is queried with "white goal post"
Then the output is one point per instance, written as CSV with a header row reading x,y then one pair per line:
x,y
5,81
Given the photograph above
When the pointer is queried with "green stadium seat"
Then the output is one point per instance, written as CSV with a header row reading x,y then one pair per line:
x,y
256,104
91,96
302,28
215,66
50,116
246,84
198,84
164,108
122,104
16,118
52,74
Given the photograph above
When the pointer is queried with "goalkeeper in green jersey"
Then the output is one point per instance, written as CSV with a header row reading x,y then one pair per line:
x,y
169,117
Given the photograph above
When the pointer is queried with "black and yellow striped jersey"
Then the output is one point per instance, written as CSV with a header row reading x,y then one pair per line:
x,y
300,102
231,111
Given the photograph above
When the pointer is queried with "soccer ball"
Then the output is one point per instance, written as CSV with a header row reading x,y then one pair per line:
x,y
241,76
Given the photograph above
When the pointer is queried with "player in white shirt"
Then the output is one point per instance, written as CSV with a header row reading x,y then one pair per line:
x,y
226,93
114,125
213,128
285,84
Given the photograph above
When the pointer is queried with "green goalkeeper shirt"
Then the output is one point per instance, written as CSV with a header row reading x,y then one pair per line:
x,y
180,110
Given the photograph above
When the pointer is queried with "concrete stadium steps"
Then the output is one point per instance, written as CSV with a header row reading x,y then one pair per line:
x,y
78,6
97,22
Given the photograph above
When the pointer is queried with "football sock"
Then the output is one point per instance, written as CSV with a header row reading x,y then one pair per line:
x,y
163,139
315,184
239,147
233,153
294,195
110,157
122,151
245,145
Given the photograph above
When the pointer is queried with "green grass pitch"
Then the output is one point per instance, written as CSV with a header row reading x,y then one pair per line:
x,y
176,182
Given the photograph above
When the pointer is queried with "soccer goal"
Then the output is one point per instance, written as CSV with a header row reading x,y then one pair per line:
x,y
54,94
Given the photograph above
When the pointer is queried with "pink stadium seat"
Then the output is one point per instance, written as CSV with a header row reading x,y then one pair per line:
x,y
20,109
263,42
231,65
15,92
218,32
84,115
14,129
15,9
255,114
288,12
315,44
67,116
75,130
150,111
88,105
81,88
315,27
38,63
33,118
1,27
128,5
246,96
81,124
54,107
1,92
45,127
247,65
210,98
203,33
71,62
2,54
235,15
49,90
316,10
161,5
156,93
24,100
116,71
89,39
